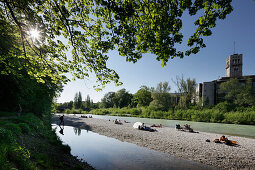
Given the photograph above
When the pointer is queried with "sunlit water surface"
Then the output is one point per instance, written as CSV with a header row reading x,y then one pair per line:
x,y
105,153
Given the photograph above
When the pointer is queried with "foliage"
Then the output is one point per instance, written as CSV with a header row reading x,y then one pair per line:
x,y
239,93
14,154
247,116
88,104
74,111
161,97
143,96
224,107
108,100
187,90
24,128
16,130
122,98
77,103
93,28
6,136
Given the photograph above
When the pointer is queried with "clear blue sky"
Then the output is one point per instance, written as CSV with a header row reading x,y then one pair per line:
x,y
207,65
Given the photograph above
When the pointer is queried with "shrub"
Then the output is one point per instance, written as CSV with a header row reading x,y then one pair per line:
x,y
14,128
33,122
24,127
68,111
6,136
224,107
217,116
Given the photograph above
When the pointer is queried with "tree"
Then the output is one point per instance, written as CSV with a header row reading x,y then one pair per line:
x,y
88,104
161,96
143,96
94,27
239,93
79,101
122,98
186,88
108,100
75,101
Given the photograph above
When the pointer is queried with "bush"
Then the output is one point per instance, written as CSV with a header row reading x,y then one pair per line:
x,y
217,116
14,128
6,136
68,111
224,107
34,123
25,128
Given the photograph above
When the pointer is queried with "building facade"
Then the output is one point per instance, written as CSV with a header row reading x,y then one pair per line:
x,y
209,92
234,65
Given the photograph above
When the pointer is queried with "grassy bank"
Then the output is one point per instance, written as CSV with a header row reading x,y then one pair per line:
x,y
28,142
244,116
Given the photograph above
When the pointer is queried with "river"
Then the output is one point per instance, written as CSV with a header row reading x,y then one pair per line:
x,y
104,153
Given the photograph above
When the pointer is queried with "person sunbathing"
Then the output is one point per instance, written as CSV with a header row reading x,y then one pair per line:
x,y
154,125
225,140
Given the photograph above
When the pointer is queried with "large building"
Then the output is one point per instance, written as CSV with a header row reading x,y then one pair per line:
x,y
234,65
208,92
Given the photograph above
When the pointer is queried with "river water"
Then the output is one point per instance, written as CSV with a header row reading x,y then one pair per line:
x,y
220,128
106,153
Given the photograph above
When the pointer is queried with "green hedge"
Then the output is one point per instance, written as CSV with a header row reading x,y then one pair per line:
x,y
218,114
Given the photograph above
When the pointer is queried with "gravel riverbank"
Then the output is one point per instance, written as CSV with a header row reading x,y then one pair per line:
x,y
191,146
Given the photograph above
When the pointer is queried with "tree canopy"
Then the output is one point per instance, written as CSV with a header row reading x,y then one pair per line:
x,y
239,93
161,96
92,28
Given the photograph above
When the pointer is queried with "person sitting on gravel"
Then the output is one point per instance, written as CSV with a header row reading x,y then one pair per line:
x,y
117,122
187,127
177,126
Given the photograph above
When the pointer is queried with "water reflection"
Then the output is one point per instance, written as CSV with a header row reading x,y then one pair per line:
x,y
107,153
61,131
77,131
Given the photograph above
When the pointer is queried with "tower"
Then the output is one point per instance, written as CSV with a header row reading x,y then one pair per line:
x,y
234,65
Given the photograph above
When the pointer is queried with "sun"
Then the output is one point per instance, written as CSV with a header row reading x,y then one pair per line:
x,y
35,34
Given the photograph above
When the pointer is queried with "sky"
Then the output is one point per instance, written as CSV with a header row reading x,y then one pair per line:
x,y
207,65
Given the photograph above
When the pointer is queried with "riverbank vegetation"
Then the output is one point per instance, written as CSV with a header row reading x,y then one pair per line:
x,y
244,116
235,105
28,142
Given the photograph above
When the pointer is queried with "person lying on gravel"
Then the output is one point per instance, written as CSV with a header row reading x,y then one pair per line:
x,y
225,140
154,125
146,128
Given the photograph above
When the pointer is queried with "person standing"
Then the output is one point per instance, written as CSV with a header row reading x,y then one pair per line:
x,y
61,120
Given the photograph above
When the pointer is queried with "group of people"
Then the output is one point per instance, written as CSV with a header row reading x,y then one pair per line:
x,y
185,128
82,116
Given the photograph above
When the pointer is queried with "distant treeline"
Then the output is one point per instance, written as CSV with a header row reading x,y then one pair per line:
x,y
237,104
215,114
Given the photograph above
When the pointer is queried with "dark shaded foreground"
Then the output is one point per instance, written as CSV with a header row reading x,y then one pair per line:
x,y
27,142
